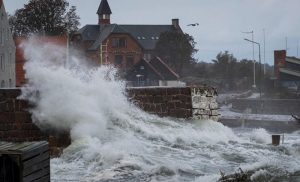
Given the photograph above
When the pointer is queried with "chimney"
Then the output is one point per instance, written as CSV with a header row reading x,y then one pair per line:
x,y
175,23
279,61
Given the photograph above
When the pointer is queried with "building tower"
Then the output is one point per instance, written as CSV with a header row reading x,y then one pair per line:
x,y
104,13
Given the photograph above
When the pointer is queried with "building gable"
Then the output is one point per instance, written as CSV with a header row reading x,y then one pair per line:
x,y
7,51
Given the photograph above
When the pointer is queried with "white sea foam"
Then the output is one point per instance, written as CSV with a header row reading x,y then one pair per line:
x,y
113,139
260,135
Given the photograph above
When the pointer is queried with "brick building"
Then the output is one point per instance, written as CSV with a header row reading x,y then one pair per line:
x,y
121,45
286,70
7,51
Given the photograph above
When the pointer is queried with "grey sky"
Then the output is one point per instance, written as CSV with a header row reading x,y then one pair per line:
x,y
221,21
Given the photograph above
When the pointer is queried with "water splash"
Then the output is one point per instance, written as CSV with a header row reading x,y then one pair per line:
x,y
112,140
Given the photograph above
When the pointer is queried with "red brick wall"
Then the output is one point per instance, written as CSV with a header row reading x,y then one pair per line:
x,y
163,101
15,121
16,124
279,61
133,49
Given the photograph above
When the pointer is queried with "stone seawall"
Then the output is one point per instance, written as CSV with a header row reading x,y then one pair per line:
x,y
267,106
179,102
163,101
16,124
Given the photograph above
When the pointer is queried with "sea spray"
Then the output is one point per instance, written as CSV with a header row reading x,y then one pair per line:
x,y
260,135
114,140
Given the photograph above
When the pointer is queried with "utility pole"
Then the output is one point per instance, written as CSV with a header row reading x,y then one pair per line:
x,y
68,53
254,72
259,82
264,51
297,48
286,42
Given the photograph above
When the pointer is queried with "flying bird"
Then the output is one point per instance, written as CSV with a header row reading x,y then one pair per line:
x,y
193,24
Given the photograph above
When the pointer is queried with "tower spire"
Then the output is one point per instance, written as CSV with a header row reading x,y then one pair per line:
x,y
104,13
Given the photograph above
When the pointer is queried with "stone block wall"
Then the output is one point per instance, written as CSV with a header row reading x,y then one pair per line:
x,y
163,101
205,104
179,102
16,124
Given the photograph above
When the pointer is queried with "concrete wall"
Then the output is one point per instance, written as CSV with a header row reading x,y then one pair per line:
x,y
267,106
7,52
163,101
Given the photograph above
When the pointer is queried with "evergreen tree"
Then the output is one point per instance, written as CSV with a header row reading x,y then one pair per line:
x,y
49,17
176,48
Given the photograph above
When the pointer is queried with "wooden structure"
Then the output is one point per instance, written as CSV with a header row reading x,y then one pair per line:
x,y
24,162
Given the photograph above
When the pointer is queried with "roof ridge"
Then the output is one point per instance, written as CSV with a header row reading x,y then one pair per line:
x,y
163,63
154,69
144,25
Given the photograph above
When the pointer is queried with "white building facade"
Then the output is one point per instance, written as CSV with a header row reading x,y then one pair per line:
x,y
7,52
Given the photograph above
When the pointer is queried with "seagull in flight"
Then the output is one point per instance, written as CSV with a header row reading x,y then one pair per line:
x,y
193,24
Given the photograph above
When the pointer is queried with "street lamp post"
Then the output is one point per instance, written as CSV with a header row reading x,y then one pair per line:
x,y
259,64
252,33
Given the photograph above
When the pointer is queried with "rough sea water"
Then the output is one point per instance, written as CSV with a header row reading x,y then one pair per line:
x,y
112,140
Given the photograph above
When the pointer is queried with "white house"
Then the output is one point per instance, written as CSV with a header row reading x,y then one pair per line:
x,y
7,52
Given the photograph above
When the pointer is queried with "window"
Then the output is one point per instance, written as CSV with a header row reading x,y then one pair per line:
x,y
129,61
118,60
10,83
10,58
2,84
1,36
2,62
7,35
147,57
105,16
119,43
